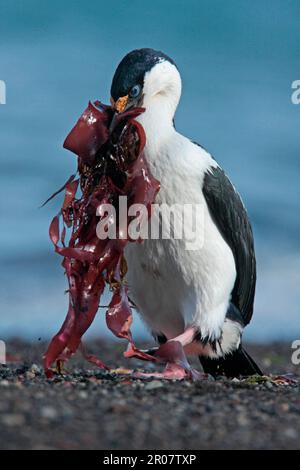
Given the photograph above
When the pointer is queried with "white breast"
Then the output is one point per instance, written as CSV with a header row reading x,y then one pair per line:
x,y
172,287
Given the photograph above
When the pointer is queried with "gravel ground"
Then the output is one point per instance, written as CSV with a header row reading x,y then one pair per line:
x,y
91,409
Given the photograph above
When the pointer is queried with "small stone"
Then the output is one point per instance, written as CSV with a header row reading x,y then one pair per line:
x,y
285,407
82,394
29,375
291,433
13,419
153,385
89,373
48,412
235,380
187,384
242,419
35,369
268,385
4,383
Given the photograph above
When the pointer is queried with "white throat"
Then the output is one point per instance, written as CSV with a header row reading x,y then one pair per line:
x,y
162,90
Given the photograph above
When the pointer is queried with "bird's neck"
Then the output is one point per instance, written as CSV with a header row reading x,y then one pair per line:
x,y
157,122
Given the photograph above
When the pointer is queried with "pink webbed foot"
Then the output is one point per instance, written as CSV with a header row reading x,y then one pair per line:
x,y
170,353
172,371
178,368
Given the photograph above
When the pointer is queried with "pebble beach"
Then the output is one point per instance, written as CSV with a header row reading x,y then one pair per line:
x,y
88,408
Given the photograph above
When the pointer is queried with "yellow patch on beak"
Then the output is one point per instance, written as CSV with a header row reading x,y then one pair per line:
x,y
121,103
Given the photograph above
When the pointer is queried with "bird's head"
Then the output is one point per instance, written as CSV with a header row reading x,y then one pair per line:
x,y
149,79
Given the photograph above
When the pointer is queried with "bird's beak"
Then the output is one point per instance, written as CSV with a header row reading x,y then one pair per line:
x,y
120,104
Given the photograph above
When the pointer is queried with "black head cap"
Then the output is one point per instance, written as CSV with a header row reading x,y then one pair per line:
x,y
132,68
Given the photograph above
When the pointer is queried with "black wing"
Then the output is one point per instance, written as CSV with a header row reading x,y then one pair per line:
x,y
230,216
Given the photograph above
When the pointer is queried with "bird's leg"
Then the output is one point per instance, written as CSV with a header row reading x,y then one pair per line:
x,y
60,367
172,353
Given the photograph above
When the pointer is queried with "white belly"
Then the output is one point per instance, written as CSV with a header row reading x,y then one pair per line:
x,y
172,287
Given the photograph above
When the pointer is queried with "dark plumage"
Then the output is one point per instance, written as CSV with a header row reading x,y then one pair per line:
x,y
237,363
229,214
132,68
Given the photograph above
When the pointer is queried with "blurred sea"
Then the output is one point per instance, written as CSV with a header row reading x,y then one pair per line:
x,y
237,59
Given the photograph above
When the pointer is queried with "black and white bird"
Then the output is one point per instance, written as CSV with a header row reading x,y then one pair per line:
x,y
200,298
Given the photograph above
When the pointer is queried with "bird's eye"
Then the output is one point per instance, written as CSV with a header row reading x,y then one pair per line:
x,y
135,91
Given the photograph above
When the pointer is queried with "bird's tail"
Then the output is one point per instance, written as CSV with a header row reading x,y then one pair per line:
x,y
236,364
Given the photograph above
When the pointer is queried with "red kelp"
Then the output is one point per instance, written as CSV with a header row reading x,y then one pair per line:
x,y
111,163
